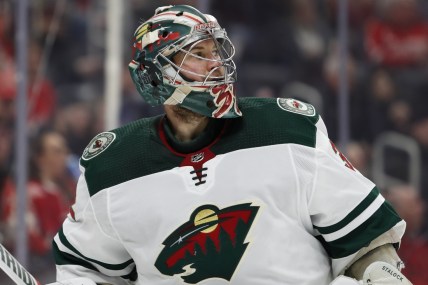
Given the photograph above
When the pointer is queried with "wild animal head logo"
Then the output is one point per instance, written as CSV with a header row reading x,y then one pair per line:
x,y
209,245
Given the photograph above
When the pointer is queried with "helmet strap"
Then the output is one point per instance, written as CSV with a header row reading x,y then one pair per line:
x,y
178,96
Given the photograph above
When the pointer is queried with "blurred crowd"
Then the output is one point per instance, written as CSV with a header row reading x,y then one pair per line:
x,y
283,49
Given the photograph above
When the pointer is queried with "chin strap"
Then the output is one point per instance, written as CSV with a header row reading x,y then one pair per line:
x,y
377,273
178,96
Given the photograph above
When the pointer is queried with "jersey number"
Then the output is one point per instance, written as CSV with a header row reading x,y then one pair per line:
x,y
342,156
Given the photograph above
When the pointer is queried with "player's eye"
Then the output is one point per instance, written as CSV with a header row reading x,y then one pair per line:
x,y
199,54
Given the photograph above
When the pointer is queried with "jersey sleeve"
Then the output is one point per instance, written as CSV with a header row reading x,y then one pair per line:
x,y
346,209
87,225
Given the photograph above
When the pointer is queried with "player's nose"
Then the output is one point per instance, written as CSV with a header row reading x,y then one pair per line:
x,y
213,63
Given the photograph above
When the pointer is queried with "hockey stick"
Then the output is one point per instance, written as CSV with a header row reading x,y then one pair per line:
x,y
14,269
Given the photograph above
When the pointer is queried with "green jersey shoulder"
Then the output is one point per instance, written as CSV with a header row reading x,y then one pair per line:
x,y
136,150
270,121
123,154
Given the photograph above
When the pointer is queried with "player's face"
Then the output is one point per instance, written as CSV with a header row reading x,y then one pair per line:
x,y
202,62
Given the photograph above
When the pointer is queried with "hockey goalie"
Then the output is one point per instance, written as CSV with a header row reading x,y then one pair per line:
x,y
220,189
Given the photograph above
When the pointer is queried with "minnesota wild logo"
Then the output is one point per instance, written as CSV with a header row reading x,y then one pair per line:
x,y
98,144
209,245
296,106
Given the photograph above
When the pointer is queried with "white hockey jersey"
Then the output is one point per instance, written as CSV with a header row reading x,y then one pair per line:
x,y
262,199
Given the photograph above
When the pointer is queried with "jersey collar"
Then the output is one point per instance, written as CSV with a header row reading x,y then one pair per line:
x,y
209,136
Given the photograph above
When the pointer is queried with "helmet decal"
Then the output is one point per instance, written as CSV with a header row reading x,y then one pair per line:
x,y
224,100
160,79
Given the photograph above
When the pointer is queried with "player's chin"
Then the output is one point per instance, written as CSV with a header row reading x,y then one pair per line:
x,y
186,114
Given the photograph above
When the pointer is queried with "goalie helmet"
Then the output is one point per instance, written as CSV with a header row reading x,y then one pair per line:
x,y
160,80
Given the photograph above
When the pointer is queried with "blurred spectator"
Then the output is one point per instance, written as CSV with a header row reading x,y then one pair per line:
x,y
419,128
76,122
297,39
7,109
5,160
358,154
73,32
419,131
414,245
357,97
6,28
42,95
5,153
387,110
83,62
358,12
305,41
50,192
265,92
7,89
398,37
